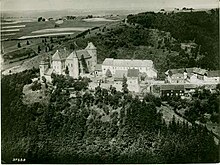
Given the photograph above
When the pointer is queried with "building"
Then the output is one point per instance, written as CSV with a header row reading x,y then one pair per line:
x,y
132,76
192,76
76,62
185,75
144,66
213,76
168,90
133,80
118,78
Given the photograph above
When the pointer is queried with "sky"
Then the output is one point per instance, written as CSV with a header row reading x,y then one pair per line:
x,y
22,5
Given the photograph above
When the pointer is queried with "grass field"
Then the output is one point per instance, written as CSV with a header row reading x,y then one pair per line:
x,y
61,30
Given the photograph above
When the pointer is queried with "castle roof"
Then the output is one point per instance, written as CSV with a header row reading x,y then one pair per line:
x,y
63,54
56,56
90,46
128,63
72,56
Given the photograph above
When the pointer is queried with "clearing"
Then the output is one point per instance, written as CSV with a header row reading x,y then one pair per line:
x,y
61,29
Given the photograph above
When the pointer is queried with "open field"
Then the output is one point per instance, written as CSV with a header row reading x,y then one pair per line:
x,y
9,34
168,114
99,20
10,30
46,35
16,26
60,30
9,23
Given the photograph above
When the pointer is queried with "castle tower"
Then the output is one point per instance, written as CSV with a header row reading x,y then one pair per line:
x,y
44,65
72,63
56,63
93,52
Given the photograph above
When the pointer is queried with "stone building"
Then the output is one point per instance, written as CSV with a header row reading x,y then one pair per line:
x,y
144,66
76,62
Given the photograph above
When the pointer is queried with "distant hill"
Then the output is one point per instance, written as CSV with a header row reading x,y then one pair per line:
x,y
202,27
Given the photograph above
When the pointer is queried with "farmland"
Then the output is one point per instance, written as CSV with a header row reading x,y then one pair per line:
x,y
39,37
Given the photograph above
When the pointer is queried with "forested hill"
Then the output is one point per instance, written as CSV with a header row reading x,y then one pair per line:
x,y
201,27
101,126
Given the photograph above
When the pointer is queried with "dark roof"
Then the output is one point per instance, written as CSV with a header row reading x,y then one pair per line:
x,y
119,74
85,53
171,87
190,86
133,72
214,73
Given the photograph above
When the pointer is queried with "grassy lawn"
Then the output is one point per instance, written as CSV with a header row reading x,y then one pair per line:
x,y
168,114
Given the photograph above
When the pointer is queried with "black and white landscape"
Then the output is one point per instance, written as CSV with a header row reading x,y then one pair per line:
x,y
110,81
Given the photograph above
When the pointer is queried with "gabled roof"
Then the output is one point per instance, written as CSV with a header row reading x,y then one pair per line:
x,y
60,54
133,72
72,56
90,46
56,56
214,73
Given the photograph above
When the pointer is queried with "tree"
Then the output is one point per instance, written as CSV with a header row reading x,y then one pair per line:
x,y
51,39
39,19
19,45
72,46
44,79
124,85
67,70
113,54
84,64
38,49
108,73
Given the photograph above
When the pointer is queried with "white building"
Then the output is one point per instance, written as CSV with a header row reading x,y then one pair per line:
x,y
192,76
144,66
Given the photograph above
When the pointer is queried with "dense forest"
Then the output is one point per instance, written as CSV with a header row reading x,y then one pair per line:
x,y
201,27
100,126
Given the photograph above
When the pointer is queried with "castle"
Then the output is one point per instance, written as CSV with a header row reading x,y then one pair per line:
x,y
79,61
